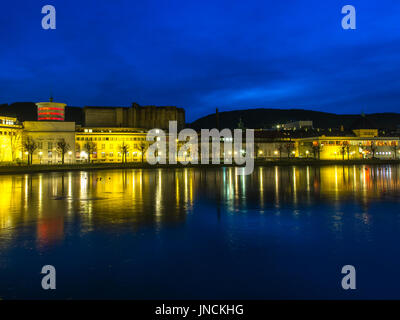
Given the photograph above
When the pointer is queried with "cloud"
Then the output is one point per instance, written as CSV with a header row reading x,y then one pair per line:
x,y
202,55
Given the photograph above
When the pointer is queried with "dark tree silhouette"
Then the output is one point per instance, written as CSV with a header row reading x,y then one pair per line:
x,y
348,150
373,148
142,148
280,149
343,150
256,150
124,148
89,147
317,147
30,146
394,146
289,148
62,148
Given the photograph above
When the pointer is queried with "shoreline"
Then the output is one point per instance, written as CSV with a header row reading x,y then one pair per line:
x,y
37,168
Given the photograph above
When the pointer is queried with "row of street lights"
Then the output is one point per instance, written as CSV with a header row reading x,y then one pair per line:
x,y
41,154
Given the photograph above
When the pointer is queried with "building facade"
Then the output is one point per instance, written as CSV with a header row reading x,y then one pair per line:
x,y
51,111
297,125
110,144
143,117
10,139
119,135
47,135
348,148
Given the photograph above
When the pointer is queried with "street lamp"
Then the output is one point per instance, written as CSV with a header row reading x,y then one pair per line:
x,y
70,158
83,154
40,157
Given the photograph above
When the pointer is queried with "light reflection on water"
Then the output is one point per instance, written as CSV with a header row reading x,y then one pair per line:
x,y
274,209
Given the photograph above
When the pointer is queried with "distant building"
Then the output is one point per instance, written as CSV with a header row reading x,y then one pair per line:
x,y
273,144
350,147
296,125
365,128
143,117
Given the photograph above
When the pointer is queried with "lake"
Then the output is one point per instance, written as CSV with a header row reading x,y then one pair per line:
x,y
196,233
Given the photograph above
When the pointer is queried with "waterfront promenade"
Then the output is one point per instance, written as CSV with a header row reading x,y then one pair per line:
x,y
37,168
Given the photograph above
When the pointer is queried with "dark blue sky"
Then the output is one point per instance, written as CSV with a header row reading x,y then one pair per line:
x,y
203,54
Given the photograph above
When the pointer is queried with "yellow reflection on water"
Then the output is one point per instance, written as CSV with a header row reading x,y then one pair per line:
x,y
276,186
49,204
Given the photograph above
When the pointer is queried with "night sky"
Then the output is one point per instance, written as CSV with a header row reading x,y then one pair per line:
x,y
201,54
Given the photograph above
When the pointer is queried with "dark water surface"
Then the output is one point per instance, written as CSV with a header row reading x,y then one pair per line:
x,y
282,232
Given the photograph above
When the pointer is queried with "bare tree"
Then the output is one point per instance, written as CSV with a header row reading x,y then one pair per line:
x,y
30,146
142,148
317,147
280,149
62,148
343,150
348,150
373,148
395,146
289,148
256,151
89,147
124,148
315,150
